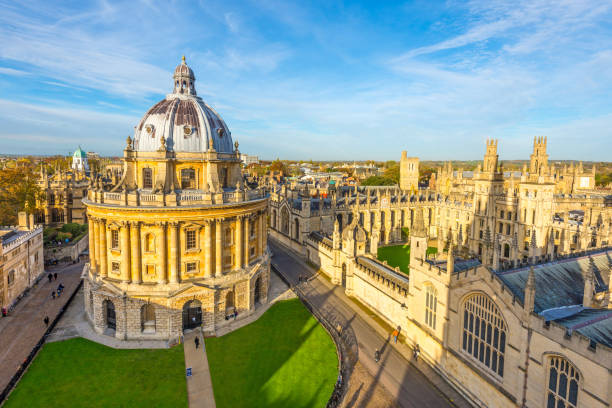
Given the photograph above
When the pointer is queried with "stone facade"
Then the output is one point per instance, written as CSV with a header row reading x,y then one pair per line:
x,y
179,242
506,219
21,259
61,199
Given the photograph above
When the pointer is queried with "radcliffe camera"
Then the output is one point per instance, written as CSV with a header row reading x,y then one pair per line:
x,y
306,205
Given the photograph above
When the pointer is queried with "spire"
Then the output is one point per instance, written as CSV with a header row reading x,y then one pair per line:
x,y
418,230
589,285
530,289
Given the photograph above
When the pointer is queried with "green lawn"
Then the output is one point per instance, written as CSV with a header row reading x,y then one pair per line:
x,y
399,255
284,359
81,373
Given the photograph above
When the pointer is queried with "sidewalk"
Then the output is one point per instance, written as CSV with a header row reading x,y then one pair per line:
x,y
199,384
74,323
404,350
24,327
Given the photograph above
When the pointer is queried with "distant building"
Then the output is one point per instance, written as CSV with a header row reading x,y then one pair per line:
x,y
247,159
79,161
60,201
21,258
409,173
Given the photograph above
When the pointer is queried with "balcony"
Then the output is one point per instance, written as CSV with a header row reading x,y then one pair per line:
x,y
175,199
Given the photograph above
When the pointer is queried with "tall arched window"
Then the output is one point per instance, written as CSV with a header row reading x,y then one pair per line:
x,y
431,300
149,243
563,379
484,332
285,221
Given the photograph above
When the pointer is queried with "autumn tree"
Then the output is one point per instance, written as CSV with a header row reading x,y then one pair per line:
x,y
18,190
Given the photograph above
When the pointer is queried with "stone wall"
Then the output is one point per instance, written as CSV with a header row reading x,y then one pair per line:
x,y
71,250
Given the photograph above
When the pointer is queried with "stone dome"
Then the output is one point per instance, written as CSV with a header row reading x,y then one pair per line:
x,y
184,120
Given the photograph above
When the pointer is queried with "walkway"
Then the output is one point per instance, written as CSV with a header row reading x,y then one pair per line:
x,y
408,385
74,323
199,384
24,327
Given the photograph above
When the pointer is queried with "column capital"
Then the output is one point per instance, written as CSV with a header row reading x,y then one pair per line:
x,y
124,223
135,224
160,223
173,224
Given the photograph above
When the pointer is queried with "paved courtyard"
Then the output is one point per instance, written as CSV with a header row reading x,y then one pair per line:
x,y
24,326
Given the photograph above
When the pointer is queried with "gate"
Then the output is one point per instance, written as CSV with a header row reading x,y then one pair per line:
x,y
111,320
192,315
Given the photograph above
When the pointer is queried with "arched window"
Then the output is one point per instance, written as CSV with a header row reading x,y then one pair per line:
x,y
431,301
147,318
285,221
147,178
297,229
484,332
563,379
150,243
188,179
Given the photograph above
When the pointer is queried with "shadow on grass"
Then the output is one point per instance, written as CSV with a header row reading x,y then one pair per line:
x,y
284,359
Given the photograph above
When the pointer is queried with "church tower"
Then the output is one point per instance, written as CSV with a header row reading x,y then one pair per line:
x,y
409,173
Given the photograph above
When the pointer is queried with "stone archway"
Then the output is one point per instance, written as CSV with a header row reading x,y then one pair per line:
x,y
147,318
285,221
110,317
257,291
192,314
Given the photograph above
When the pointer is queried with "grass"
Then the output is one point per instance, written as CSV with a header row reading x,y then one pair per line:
x,y
284,359
81,373
399,255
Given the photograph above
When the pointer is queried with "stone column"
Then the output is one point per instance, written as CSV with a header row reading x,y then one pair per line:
x,y
207,249
103,250
174,248
161,253
92,245
97,244
247,236
238,243
136,253
218,247
125,251
260,226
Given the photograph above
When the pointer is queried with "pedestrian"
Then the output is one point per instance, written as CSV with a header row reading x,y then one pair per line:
x,y
197,341
235,314
417,351
53,294
55,276
4,312
377,356
395,334
46,320
50,277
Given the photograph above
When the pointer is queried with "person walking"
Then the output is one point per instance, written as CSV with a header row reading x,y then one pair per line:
x,y
377,356
395,334
417,351
50,277
53,294
55,276
46,320
197,341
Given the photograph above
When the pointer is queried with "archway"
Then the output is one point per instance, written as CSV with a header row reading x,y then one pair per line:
x,y
147,318
506,251
192,314
229,302
257,294
109,315
285,221
344,275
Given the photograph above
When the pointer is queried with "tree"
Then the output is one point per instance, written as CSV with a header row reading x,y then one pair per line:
x,y
378,181
18,191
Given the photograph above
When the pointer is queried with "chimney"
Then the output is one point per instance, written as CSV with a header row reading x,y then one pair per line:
x,y
23,220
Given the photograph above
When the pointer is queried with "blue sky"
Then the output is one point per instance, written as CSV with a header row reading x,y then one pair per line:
x,y
329,80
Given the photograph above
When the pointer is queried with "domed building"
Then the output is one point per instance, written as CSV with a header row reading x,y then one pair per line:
x,y
180,241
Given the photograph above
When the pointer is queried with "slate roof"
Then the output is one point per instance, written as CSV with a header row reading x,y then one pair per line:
x,y
460,264
560,283
596,324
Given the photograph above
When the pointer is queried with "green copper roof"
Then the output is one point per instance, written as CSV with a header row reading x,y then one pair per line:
x,y
79,153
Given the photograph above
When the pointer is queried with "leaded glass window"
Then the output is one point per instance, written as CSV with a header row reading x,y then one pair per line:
x,y
484,332
431,300
563,379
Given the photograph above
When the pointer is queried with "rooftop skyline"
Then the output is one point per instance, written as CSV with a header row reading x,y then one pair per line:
x,y
342,82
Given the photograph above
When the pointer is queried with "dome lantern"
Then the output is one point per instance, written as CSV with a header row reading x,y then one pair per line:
x,y
184,80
